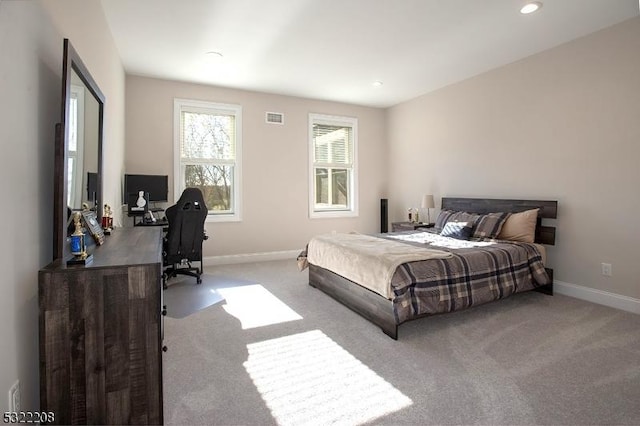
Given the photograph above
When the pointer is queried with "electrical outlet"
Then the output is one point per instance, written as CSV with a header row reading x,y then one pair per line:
x,y
606,269
14,397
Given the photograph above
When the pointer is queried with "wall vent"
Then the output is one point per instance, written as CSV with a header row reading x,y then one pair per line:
x,y
274,117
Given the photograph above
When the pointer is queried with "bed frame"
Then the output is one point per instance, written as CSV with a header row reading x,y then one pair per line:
x,y
379,310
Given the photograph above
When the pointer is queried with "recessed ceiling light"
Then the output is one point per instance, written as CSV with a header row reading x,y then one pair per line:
x,y
377,83
530,7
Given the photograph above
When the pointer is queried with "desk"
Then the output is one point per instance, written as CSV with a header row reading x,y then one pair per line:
x,y
146,222
143,216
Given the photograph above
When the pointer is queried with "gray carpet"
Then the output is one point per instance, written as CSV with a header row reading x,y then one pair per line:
x,y
184,297
277,351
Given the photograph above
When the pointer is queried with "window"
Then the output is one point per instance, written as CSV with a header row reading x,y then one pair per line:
x,y
75,148
208,155
333,175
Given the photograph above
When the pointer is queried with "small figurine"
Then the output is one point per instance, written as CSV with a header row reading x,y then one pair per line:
x,y
141,202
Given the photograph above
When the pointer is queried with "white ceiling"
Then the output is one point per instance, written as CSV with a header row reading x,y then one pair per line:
x,y
335,49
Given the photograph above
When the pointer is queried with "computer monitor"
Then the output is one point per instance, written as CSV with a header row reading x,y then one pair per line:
x,y
157,186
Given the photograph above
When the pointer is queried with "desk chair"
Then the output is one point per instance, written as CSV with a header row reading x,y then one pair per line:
x,y
185,234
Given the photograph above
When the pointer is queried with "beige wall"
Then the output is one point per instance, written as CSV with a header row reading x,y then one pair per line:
x,y
562,125
275,162
84,24
31,34
571,134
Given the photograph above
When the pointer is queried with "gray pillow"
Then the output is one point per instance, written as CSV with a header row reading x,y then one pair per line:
x,y
458,230
442,219
446,216
489,225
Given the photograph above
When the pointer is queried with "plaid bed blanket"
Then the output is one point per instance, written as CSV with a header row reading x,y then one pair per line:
x,y
478,272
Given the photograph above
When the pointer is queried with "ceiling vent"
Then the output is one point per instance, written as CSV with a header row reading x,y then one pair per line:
x,y
274,118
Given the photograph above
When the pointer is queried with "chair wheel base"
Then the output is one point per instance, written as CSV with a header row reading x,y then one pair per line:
x,y
174,270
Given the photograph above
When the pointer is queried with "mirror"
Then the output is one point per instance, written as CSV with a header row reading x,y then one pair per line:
x,y
78,152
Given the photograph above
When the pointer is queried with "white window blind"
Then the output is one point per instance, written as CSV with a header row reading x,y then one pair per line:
x,y
332,144
207,136
333,183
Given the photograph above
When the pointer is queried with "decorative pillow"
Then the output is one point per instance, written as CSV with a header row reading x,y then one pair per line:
x,y
443,218
520,226
472,218
459,230
489,225
447,216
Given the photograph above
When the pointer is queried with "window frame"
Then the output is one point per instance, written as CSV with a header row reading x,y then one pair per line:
x,y
179,105
352,207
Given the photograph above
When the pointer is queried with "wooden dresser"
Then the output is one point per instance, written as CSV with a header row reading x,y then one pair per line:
x,y
101,333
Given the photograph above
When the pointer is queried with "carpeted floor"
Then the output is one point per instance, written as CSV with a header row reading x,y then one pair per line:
x,y
276,351
185,297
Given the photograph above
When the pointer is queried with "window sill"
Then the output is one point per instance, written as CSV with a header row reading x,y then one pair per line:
x,y
223,218
332,214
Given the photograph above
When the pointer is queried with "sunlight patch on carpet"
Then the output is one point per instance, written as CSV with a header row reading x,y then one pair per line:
x,y
255,306
308,379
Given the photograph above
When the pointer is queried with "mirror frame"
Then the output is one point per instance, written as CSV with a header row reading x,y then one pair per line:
x,y
71,62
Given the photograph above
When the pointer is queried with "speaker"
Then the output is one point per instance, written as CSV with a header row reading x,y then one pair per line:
x,y
384,215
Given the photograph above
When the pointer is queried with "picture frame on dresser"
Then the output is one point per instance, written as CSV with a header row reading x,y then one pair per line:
x,y
93,226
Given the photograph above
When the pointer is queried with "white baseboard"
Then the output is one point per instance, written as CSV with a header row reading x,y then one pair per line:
x,y
606,298
251,257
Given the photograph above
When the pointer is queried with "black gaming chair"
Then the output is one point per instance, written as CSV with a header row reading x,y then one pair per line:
x,y
183,243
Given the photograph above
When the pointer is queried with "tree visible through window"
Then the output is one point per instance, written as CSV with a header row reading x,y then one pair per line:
x,y
208,144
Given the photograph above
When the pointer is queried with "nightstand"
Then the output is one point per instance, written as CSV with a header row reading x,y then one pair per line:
x,y
409,226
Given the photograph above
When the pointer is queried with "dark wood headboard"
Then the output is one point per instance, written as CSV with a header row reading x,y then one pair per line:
x,y
548,210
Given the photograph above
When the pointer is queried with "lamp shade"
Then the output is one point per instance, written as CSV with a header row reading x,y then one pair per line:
x,y
427,202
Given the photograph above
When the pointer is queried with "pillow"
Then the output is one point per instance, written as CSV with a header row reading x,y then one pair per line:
x,y
472,218
489,225
447,216
442,219
459,230
520,227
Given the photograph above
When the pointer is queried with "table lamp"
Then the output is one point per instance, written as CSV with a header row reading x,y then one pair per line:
x,y
428,203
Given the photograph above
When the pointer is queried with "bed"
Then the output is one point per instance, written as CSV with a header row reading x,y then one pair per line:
x,y
429,277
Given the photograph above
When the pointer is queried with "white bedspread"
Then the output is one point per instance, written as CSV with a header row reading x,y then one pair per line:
x,y
366,260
